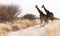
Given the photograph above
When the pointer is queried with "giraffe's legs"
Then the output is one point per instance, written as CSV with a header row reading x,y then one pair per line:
x,y
45,22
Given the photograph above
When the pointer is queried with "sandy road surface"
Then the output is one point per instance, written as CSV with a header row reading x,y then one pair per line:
x,y
31,31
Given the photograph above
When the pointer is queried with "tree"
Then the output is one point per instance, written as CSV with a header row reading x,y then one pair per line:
x,y
8,12
29,16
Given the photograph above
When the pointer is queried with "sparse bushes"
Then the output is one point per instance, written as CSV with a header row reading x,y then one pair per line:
x,y
29,16
8,12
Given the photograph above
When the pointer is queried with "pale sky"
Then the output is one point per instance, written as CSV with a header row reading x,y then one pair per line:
x,y
28,6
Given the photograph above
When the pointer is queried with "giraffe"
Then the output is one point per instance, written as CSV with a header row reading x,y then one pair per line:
x,y
43,16
50,15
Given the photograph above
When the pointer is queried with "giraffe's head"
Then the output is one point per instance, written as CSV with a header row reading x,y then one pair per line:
x,y
36,6
42,6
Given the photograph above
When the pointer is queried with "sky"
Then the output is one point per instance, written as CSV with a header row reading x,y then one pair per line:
x,y
28,6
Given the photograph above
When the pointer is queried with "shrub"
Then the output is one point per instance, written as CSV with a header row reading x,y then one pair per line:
x,y
8,12
29,16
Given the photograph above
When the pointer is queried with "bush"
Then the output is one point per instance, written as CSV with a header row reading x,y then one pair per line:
x,y
8,12
29,16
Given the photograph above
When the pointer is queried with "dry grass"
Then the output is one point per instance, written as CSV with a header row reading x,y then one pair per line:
x,y
53,28
21,24
4,28
17,24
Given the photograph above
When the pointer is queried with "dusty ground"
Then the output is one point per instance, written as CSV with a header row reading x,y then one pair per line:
x,y
31,31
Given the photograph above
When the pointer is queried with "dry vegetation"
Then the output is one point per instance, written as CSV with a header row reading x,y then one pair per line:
x,y
8,12
17,24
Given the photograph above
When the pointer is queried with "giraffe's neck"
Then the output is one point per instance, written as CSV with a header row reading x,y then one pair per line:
x,y
39,11
47,11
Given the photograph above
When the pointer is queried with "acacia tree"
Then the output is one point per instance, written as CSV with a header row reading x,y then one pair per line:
x,y
29,16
